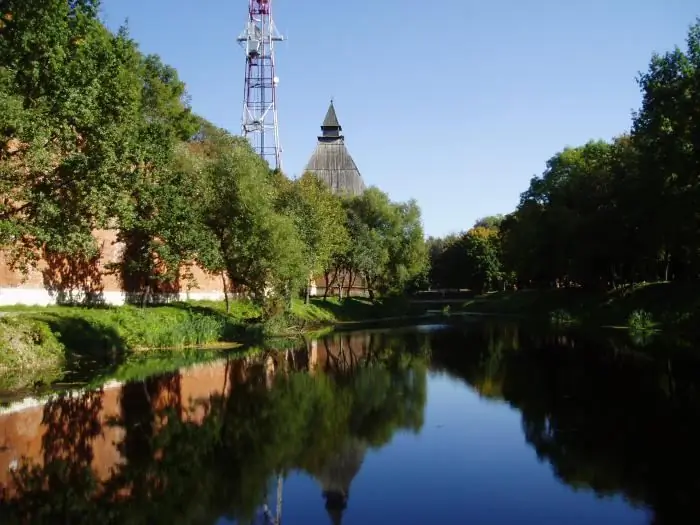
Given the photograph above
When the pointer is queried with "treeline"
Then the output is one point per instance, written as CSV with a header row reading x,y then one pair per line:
x,y
604,214
95,134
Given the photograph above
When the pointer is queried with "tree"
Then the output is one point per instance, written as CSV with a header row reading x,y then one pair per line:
x,y
319,217
161,232
606,213
387,244
666,131
491,222
470,260
483,270
69,103
259,248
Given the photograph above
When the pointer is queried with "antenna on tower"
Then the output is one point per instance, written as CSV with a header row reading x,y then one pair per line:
x,y
259,119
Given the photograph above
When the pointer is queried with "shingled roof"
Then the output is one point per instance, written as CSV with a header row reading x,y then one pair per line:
x,y
331,161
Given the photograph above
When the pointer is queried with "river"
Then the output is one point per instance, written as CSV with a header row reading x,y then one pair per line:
x,y
487,423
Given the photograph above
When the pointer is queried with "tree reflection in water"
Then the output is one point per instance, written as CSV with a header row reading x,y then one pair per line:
x,y
191,461
609,418
72,423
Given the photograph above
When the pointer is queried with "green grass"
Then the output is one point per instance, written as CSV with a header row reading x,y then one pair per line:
x,y
36,338
356,311
28,344
333,310
128,327
140,366
137,366
664,305
74,337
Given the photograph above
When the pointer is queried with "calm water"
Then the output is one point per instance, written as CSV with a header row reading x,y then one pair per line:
x,y
490,424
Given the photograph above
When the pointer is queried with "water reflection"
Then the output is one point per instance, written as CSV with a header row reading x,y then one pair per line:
x,y
607,417
225,442
204,442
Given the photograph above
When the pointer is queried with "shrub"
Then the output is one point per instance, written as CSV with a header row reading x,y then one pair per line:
x,y
640,320
28,344
560,317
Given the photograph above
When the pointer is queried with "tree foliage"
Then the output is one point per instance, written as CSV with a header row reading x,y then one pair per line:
x,y
96,135
319,217
606,213
70,99
469,260
387,247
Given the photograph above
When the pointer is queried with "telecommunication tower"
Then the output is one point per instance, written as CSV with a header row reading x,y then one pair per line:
x,y
259,121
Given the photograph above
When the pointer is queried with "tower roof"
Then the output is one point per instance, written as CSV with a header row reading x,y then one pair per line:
x,y
331,120
331,161
337,474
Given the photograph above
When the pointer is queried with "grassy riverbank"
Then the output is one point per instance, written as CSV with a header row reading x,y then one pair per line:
x,y
44,337
661,305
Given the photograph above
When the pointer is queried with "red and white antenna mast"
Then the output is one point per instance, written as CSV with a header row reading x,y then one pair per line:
x,y
259,121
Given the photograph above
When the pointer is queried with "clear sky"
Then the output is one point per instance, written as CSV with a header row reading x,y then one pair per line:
x,y
455,103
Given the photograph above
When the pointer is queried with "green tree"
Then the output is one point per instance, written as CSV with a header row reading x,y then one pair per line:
x,y
259,248
387,244
483,270
606,213
161,232
470,260
319,217
666,130
69,114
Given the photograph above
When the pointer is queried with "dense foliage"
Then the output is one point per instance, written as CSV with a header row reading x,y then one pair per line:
x,y
96,135
604,214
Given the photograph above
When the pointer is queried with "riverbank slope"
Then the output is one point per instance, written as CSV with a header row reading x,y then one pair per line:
x,y
664,305
44,337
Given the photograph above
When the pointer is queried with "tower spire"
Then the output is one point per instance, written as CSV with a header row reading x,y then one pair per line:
x,y
259,119
331,128
331,162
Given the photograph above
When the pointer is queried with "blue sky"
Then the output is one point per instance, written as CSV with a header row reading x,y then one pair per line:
x,y
456,105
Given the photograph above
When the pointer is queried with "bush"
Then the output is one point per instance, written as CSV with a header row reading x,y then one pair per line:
x,y
640,320
28,344
560,317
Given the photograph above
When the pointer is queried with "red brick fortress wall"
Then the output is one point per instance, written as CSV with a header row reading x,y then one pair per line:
x,y
61,280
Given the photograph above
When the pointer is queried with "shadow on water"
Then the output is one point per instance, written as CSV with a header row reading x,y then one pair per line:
x,y
213,440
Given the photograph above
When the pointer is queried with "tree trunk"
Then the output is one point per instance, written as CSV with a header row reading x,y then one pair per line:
x,y
228,304
327,281
310,280
144,296
370,290
351,280
330,282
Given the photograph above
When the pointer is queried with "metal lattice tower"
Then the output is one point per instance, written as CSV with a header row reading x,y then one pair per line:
x,y
259,121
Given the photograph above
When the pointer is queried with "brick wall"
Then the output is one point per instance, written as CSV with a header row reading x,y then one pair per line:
x,y
60,280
